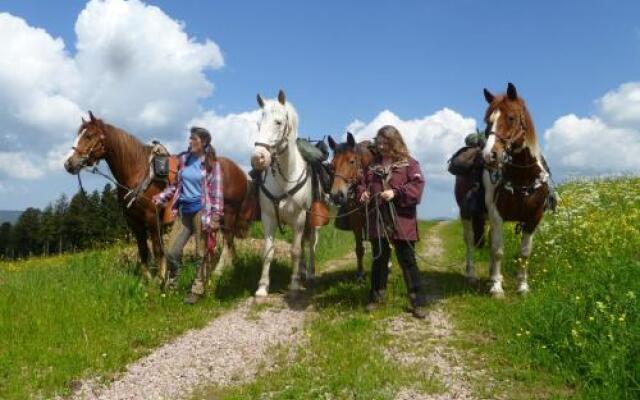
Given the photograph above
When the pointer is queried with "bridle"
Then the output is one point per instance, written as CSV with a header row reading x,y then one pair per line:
x,y
354,179
509,151
281,145
86,158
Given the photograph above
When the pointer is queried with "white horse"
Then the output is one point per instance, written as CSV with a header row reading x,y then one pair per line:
x,y
286,189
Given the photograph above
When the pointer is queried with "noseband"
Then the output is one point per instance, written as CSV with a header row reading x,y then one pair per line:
x,y
277,148
85,157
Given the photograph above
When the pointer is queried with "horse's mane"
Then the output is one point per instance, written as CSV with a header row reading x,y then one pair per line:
x,y
530,137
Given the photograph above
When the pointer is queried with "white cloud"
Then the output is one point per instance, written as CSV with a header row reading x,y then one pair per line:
x,y
431,139
233,135
603,144
135,66
18,165
621,107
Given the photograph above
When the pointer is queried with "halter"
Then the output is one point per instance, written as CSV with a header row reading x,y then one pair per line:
x,y
277,148
85,156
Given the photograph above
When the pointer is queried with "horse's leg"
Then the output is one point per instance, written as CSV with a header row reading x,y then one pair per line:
x,y
525,252
497,252
296,245
469,239
312,240
158,251
303,269
357,232
140,233
269,227
227,254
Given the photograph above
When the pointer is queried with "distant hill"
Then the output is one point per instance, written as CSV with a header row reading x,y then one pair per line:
x,y
9,216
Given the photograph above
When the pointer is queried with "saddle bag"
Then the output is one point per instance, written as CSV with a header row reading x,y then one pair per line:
x,y
463,161
342,220
161,167
314,154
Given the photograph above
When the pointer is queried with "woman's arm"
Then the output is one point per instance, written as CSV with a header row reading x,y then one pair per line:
x,y
161,198
410,193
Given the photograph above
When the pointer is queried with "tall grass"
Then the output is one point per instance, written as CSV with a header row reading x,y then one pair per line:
x,y
581,322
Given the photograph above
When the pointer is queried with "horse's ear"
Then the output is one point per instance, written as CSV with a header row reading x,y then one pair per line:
x,y
281,97
83,121
91,116
512,93
350,140
332,143
488,96
260,101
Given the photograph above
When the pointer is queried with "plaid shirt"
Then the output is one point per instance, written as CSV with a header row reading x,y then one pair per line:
x,y
212,193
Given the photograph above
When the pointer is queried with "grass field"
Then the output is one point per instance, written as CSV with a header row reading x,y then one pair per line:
x,y
577,334
68,317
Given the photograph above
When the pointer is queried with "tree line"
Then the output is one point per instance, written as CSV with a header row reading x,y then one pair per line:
x,y
87,221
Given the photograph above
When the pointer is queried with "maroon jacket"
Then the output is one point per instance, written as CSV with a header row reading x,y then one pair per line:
x,y
407,182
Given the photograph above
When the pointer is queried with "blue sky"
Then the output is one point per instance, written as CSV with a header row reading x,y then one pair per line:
x,y
346,61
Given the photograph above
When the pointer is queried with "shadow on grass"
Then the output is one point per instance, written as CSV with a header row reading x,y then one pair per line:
x,y
241,279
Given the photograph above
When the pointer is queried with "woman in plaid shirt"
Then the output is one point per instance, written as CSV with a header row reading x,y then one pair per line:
x,y
197,197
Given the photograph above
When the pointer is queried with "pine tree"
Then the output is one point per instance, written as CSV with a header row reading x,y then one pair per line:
x,y
27,233
6,240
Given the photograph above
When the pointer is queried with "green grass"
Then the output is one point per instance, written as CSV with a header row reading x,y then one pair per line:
x,y
342,357
69,317
577,334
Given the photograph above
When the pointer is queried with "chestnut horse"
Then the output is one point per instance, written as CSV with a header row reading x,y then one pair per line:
x,y
515,180
347,166
129,162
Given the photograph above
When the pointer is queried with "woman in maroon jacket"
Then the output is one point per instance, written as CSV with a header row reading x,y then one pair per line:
x,y
392,186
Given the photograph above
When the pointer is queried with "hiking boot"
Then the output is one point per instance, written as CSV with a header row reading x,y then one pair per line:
x,y
418,312
192,298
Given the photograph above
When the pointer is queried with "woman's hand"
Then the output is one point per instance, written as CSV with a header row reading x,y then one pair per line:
x,y
364,198
388,195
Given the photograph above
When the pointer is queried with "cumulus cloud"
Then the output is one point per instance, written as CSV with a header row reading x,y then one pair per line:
x,y
621,107
18,165
604,144
431,139
135,66
232,134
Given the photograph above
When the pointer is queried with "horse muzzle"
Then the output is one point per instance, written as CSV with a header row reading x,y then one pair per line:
x,y
261,158
73,165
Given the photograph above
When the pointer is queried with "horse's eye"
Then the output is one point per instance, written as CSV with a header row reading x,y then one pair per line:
x,y
511,119
278,122
352,161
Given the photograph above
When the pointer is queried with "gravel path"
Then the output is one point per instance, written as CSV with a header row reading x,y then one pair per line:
x,y
435,355
229,350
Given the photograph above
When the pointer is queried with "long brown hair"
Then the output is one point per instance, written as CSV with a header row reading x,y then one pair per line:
x,y
209,151
396,146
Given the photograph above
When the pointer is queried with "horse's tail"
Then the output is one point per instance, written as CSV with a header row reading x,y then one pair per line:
x,y
478,221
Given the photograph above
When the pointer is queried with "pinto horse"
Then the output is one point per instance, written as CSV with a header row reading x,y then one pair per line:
x,y
347,166
515,179
129,162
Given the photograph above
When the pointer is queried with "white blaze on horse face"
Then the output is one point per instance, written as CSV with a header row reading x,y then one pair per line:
x,y
75,146
491,140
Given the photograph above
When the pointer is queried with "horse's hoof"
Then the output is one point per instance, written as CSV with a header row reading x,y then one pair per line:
x,y
523,289
261,292
496,291
294,294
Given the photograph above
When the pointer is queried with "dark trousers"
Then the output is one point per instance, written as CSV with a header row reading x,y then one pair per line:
x,y
405,253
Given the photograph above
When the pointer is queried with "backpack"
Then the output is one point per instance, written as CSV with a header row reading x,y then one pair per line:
x,y
464,160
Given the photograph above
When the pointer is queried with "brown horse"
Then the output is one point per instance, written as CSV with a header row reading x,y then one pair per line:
x,y
472,214
515,180
347,166
129,162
